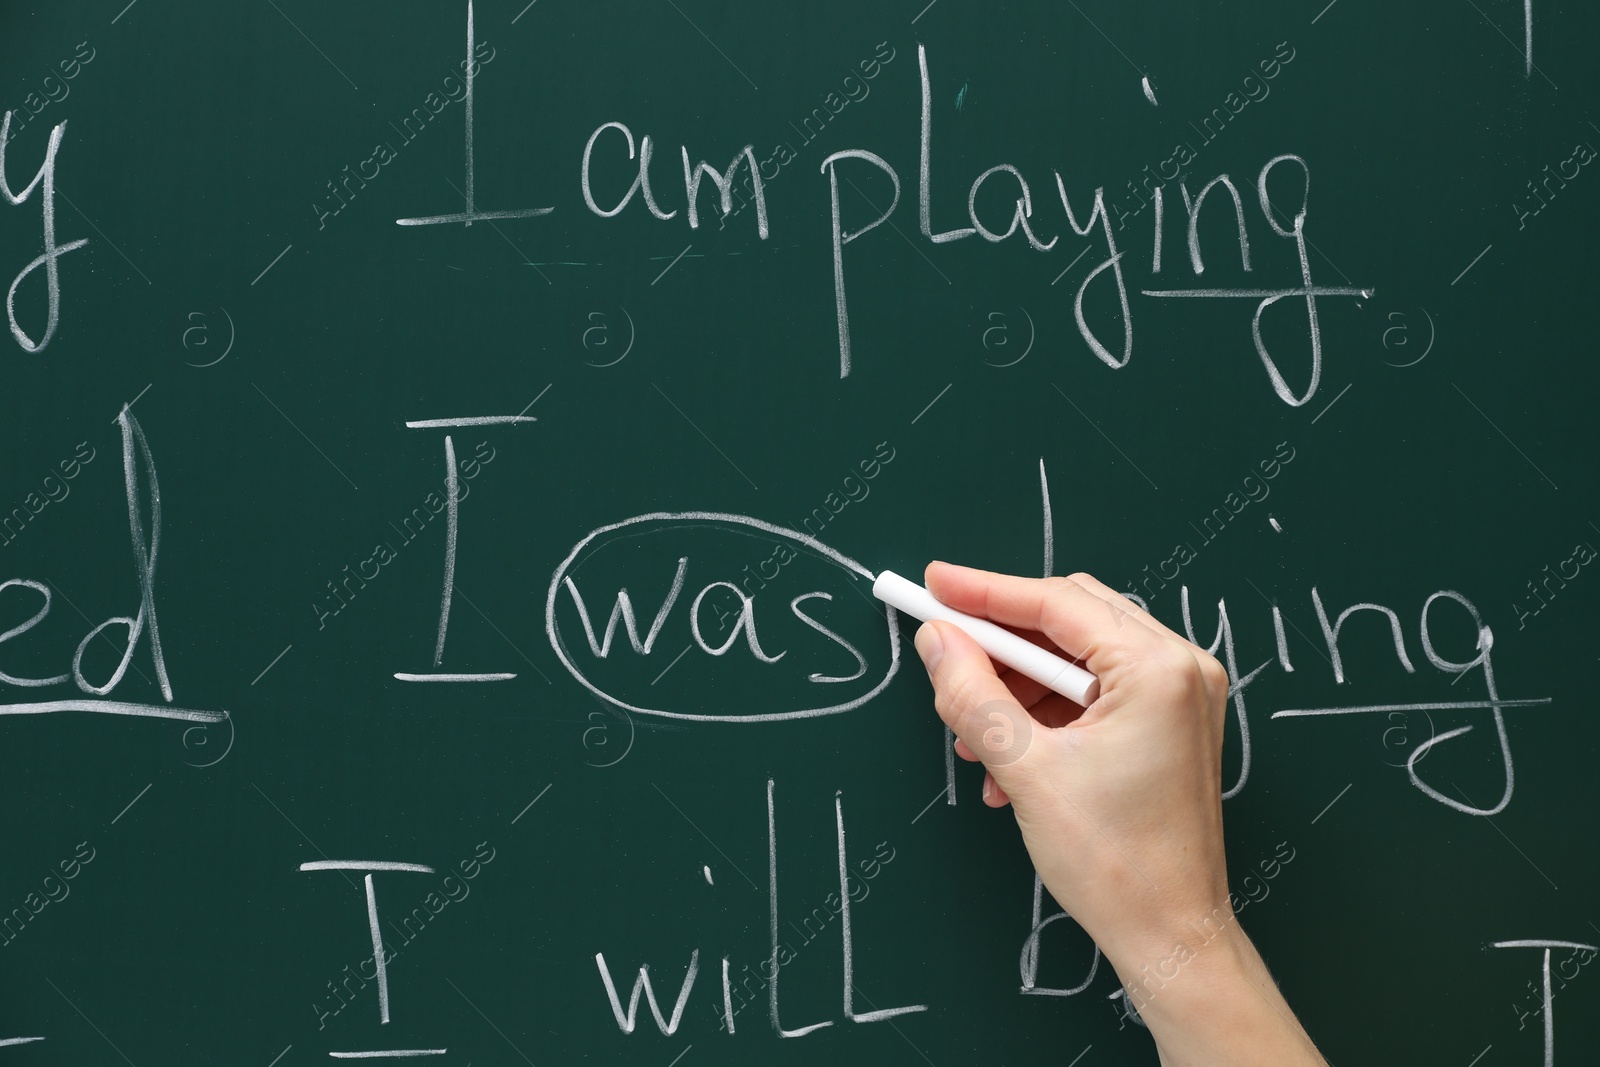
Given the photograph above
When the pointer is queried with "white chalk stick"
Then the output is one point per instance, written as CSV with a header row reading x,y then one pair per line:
x,y
1025,657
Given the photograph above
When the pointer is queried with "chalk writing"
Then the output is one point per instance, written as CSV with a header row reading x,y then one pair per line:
x,y
472,213
1549,993
835,639
44,179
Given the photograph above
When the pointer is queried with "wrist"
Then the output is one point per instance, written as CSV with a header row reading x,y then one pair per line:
x,y
1165,974
1210,999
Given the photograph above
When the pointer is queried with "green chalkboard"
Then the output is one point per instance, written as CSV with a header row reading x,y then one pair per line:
x,y
352,373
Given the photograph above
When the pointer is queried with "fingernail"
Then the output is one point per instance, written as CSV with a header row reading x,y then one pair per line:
x,y
988,787
929,647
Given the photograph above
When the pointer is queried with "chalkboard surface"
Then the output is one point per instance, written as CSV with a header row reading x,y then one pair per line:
x,y
360,356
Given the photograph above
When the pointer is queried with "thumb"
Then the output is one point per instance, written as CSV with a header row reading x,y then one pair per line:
x,y
975,703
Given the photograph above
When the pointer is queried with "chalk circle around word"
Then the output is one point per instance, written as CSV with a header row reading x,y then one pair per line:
x,y
844,570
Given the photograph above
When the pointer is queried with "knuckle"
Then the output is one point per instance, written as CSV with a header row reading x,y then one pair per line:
x,y
1057,589
1181,675
1212,673
964,694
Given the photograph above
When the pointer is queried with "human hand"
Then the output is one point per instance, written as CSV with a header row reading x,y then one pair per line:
x,y
1119,802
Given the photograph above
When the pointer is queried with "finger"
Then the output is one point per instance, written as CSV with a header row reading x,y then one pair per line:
x,y
1106,593
993,795
1048,707
971,698
1214,681
1081,623
1026,691
1055,711
1033,637
964,752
